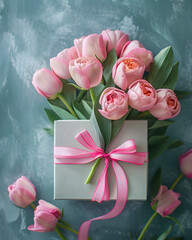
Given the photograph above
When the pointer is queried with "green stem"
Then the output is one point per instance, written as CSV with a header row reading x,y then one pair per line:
x,y
60,234
177,180
92,95
33,205
67,105
93,169
67,228
147,225
65,223
80,95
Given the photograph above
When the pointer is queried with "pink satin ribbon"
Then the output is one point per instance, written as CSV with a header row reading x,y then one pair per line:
x,y
126,152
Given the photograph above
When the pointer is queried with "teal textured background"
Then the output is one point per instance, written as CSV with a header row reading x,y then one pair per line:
x,y
34,31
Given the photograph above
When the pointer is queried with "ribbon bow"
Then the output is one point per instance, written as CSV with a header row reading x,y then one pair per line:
x,y
126,152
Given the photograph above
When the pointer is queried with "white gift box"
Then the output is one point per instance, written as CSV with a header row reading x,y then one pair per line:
x,y
69,180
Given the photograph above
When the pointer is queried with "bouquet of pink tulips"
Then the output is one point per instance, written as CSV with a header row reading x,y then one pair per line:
x,y
108,79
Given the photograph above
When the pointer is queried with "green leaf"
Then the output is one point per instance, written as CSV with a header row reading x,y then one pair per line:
x,y
130,236
154,206
62,113
182,94
116,126
172,78
76,86
87,107
176,144
161,123
49,131
108,65
166,233
154,140
156,150
156,183
176,221
101,124
68,92
161,67
52,116
80,110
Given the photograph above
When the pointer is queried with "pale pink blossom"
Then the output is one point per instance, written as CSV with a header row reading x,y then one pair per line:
x,y
86,71
47,83
114,103
46,216
167,105
60,64
22,192
167,201
115,39
127,70
142,95
136,50
91,46
185,162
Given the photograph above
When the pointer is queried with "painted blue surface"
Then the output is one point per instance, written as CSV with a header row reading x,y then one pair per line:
x,y
34,31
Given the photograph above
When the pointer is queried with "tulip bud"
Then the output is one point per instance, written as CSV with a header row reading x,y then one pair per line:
x,y
47,83
114,39
22,192
167,105
60,64
142,95
135,49
185,162
114,103
46,217
126,71
167,201
86,71
92,46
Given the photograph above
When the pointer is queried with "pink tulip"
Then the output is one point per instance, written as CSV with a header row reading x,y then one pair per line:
x,y
114,103
46,217
136,50
142,95
47,83
185,162
92,46
126,71
167,105
22,192
86,71
167,201
60,64
115,39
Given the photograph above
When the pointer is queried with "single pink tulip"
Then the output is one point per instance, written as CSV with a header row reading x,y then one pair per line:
x,y
136,50
167,105
60,64
142,95
126,71
114,103
22,192
115,39
86,71
185,162
92,45
46,217
167,201
47,83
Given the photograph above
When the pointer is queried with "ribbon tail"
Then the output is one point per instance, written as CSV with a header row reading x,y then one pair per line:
x,y
122,194
102,189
